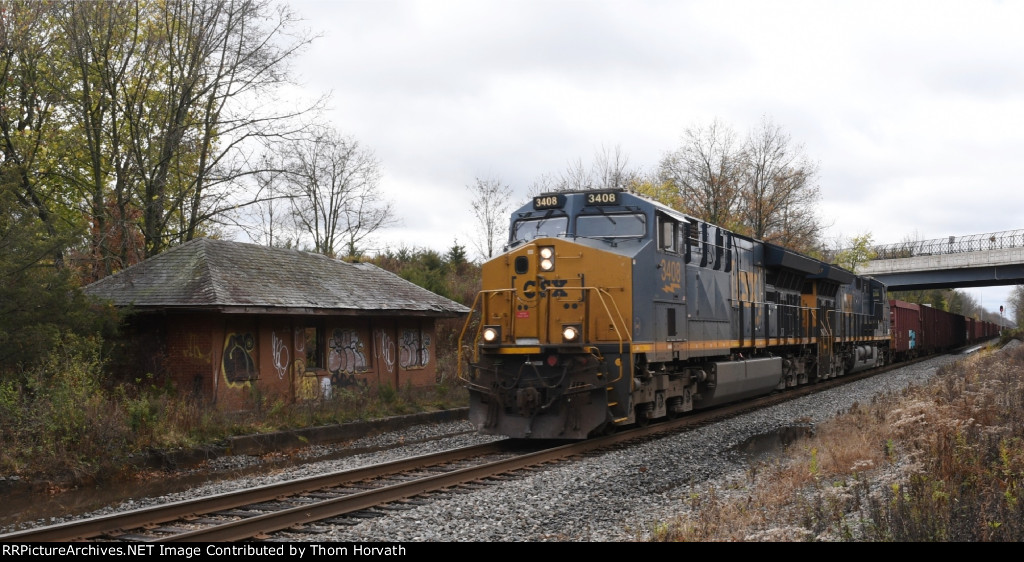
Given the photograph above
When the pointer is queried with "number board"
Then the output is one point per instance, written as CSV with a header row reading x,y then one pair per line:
x,y
603,198
553,201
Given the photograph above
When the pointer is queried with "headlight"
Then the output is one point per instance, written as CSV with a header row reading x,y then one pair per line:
x,y
492,334
571,333
547,258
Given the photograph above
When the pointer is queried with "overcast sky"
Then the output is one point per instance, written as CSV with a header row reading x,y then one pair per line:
x,y
913,111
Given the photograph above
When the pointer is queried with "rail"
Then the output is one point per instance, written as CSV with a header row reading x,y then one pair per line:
x,y
951,245
151,518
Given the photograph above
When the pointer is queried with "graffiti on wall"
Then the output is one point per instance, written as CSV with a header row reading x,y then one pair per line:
x,y
346,357
386,349
279,350
239,359
308,388
300,352
415,348
315,388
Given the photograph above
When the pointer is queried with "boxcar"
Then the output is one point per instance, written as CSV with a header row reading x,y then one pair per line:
x,y
906,329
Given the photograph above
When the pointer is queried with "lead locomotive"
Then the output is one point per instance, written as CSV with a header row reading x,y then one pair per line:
x,y
609,309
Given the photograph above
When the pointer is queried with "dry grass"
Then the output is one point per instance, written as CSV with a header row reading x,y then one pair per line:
x,y
939,463
63,426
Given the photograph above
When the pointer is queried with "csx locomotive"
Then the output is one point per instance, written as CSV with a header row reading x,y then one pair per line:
x,y
609,309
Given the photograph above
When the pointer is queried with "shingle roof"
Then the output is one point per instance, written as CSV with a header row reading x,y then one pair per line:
x,y
238,277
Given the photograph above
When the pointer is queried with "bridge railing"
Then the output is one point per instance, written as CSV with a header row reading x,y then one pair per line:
x,y
951,245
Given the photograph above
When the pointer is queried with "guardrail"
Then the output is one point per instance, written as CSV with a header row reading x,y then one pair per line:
x,y
951,245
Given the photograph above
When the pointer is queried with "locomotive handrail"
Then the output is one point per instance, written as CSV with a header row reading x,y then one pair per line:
x,y
804,314
618,332
479,328
462,334
826,344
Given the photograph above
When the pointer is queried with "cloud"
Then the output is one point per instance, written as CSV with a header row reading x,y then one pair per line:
x,y
913,110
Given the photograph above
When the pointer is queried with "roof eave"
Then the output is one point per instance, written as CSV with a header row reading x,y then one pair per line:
x,y
296,311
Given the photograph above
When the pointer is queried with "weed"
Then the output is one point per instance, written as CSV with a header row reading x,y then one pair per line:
x,y
387,394
64,421
950,468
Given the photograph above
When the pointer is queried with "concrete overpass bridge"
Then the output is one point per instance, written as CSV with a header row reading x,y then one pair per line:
x,y
978,260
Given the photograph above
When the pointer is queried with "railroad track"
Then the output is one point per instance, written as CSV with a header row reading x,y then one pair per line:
x,y
256,513
248,513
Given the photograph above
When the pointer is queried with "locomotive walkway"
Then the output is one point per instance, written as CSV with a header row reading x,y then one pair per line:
x,y
978,260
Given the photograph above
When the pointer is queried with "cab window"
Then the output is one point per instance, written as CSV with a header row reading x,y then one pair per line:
x,y
528,229
611,225
667,239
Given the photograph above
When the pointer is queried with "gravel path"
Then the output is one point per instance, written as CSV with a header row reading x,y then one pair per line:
x,y
613,496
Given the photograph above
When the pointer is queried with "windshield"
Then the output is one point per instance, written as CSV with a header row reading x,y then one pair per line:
x,y
528,229
610,225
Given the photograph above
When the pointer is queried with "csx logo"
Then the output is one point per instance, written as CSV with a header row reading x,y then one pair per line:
x,y
553,284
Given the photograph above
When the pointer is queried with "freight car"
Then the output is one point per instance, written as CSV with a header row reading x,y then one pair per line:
x,y
919,330
981,330
609,309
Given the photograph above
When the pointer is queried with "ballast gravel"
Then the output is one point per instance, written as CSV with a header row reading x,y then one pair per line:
x,y
618,495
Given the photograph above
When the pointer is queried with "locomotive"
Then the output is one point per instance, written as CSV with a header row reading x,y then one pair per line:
x,y
609,309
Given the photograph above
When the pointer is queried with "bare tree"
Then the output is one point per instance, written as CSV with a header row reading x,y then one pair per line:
x,y
490,205
1016,302
780,189
765,188
201,97
271,221
705,172
610,169
333,185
